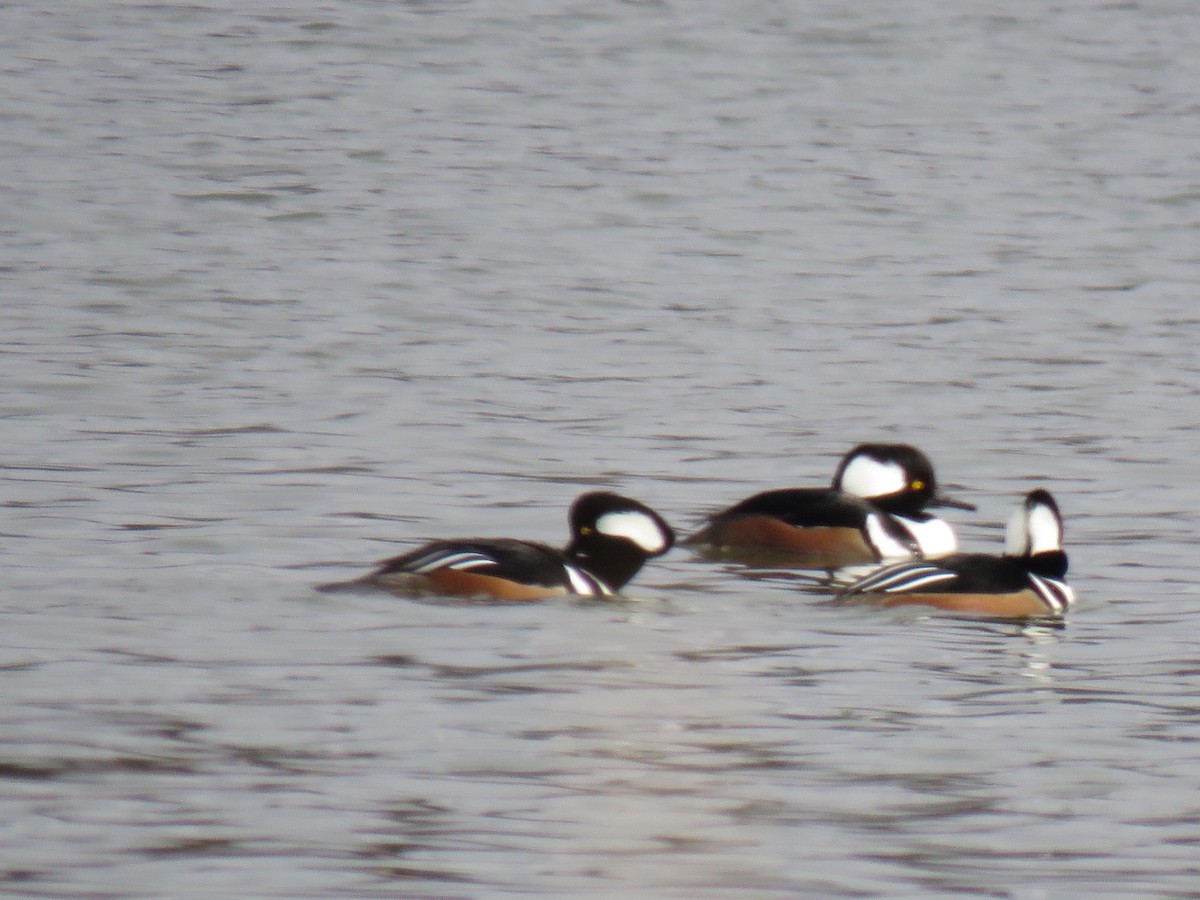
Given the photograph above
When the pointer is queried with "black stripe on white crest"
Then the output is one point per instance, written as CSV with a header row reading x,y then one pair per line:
x,y
586,584
451,559
634,526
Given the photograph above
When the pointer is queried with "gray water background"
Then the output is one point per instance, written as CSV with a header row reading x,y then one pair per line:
x,y
287,288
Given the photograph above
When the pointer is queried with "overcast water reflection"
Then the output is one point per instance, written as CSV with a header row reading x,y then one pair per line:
x,y
288,288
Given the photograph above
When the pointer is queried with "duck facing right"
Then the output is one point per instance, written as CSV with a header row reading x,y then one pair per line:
x,y
1026,582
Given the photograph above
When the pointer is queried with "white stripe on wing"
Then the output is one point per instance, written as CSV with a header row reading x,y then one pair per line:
x,y
451,559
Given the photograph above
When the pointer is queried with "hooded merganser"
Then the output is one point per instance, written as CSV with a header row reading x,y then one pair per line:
x,y
611,537
874,511
1026,582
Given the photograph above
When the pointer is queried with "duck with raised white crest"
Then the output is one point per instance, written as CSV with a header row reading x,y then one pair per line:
x,y
1027,581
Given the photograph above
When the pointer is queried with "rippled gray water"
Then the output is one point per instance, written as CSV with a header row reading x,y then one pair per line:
x,y
286,288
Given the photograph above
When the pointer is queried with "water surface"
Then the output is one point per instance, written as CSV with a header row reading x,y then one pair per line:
x,y
289,288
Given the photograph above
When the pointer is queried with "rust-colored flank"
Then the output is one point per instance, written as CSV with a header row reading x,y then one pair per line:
x,y
820,547
1018,605
457,583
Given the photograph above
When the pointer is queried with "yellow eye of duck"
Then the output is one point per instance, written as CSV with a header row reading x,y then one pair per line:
x,y
918,485
585,530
